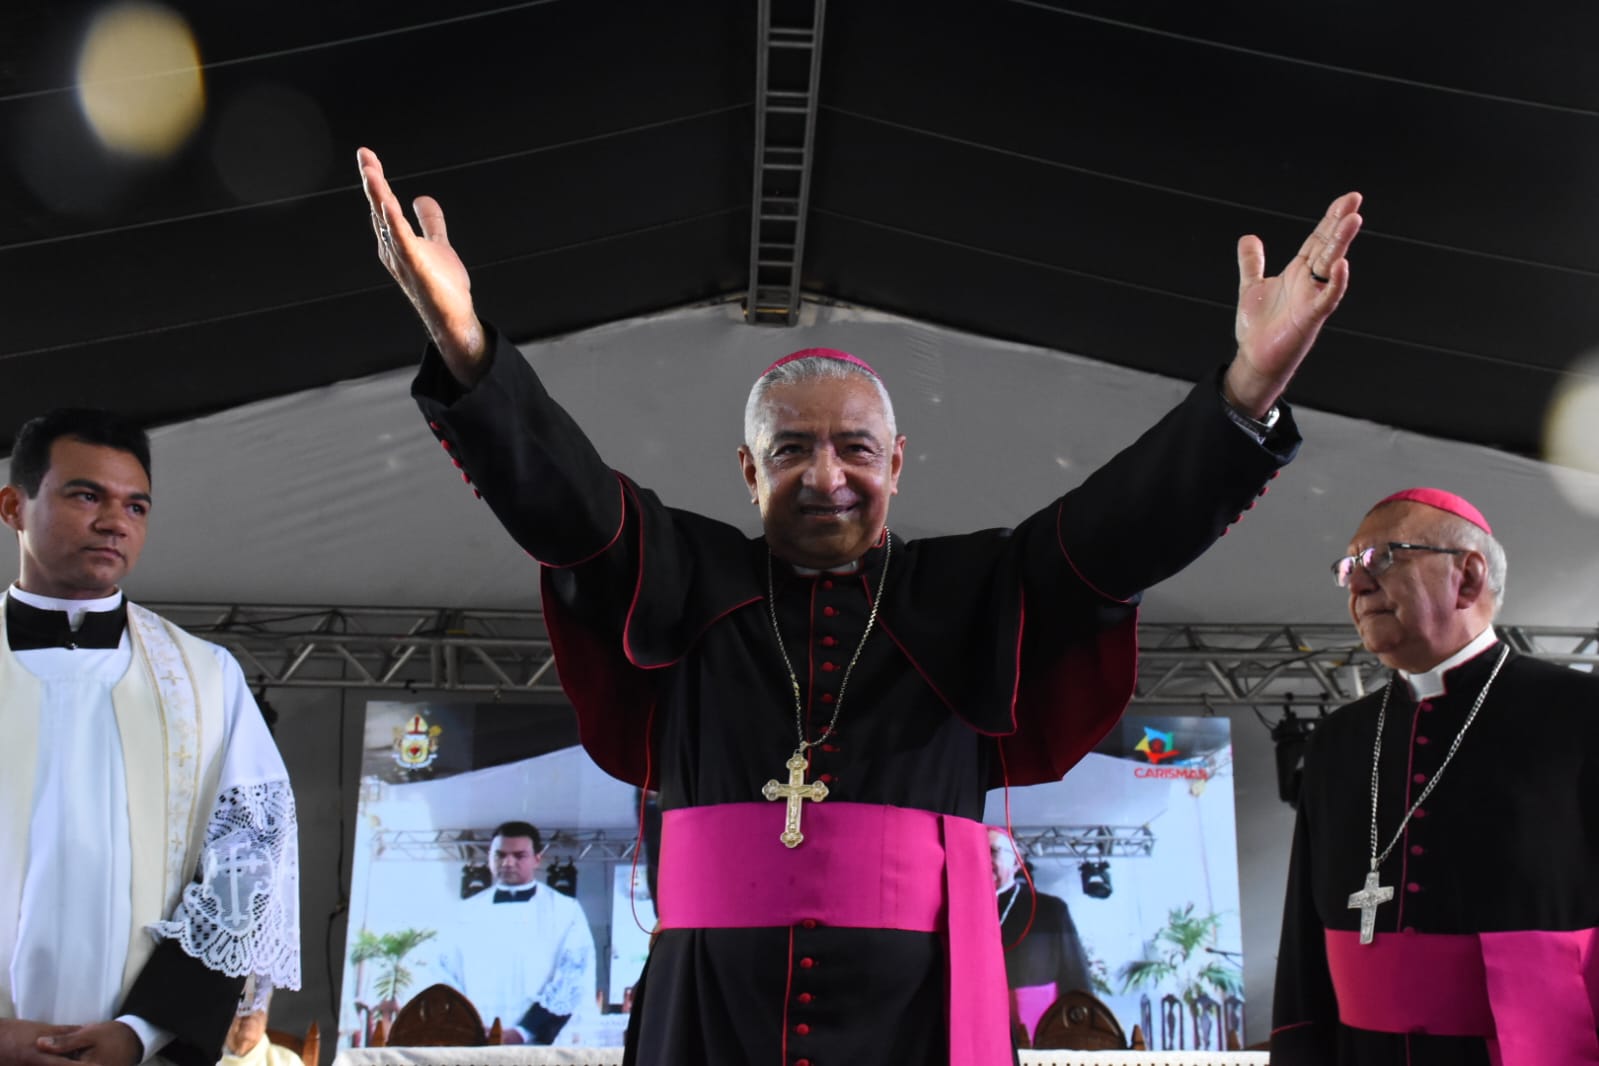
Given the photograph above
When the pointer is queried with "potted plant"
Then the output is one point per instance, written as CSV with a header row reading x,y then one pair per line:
x,y
389,950
1181,961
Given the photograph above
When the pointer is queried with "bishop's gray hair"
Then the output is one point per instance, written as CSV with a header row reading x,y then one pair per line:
x,y
1457,532
758,413
1448,530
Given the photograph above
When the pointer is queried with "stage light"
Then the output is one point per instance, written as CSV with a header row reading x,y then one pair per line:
x,y
475,879
1290,735
1096,879
562,877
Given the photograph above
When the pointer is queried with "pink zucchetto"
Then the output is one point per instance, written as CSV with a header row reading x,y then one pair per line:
x,y
1444,501
822,353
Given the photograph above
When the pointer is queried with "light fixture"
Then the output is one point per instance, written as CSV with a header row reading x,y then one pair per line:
x,y
1096,879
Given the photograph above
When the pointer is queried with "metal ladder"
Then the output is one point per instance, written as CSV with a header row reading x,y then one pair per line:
x,y
787,72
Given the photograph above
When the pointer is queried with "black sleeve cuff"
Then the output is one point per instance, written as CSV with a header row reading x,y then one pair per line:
x,y
180,994
541,1025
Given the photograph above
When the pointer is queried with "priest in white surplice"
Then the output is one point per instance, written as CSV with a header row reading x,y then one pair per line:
x,y
148,859
523,952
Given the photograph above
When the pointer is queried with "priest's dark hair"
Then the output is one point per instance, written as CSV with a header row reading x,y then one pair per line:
x,y
521,829
30,455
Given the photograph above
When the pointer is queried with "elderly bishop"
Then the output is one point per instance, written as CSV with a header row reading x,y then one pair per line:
x,y
1443,898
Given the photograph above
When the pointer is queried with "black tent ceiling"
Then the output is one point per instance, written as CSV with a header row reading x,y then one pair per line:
x,y
1070,174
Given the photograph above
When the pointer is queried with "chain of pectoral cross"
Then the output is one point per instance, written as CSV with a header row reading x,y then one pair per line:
x,y
796,791
1373,895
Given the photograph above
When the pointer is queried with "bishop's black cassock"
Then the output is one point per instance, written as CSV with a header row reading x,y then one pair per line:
x,y
1492,924
1048,960
998,656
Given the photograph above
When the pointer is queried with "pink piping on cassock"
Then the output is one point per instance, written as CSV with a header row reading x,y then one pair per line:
x,y
723,867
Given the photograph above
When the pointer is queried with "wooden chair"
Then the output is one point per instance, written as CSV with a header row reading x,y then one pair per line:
x,y
1077,1021
437,1016
308,1047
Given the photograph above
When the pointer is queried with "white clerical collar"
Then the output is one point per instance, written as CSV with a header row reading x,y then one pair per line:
x,y
847,568
1430,683
75,609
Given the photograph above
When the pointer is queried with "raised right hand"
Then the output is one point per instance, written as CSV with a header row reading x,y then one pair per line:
x,y
428,270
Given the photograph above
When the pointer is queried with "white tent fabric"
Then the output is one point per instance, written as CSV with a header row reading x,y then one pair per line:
x,y
340,496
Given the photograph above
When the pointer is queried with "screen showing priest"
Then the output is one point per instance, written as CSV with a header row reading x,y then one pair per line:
x,y
492,856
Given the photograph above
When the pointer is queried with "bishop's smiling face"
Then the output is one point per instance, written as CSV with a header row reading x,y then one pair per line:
x,y
822,470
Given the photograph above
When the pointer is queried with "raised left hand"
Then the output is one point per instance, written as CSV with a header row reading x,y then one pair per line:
x,y
103,1043
1279,317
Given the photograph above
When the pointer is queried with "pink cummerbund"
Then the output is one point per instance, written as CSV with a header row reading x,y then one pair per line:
x,y
1533,995
861,866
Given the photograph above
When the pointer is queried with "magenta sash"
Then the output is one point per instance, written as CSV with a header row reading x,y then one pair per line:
x,y
861,866
1031,1003
1533,996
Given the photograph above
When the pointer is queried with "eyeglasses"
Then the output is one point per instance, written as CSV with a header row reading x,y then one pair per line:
x,y
1376,561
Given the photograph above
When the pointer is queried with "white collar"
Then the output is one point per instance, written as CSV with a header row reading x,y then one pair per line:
x,y
1430,683
848,568
75,609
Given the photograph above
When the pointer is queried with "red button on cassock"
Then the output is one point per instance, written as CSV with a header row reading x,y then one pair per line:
x,y
807,963
1412,887
802,1028
804,997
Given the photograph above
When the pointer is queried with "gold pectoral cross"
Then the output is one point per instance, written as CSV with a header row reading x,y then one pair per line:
x,y
796,792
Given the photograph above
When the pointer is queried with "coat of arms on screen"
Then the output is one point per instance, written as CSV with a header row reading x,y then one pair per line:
x,y
417,744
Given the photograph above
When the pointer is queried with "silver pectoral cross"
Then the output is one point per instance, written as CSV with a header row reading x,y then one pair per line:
x,y
796,792
1367,900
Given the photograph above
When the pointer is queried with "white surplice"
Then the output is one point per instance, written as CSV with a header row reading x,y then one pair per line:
x,y
142,798
508,956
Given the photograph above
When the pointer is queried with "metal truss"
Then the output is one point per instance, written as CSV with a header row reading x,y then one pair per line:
x,y
384,648
508,652
468,846
1086,842
1321,665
